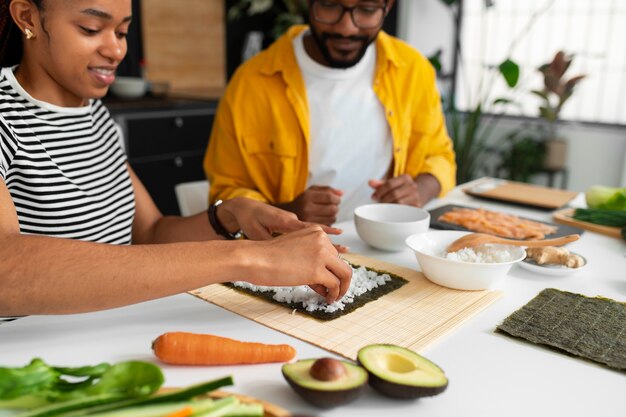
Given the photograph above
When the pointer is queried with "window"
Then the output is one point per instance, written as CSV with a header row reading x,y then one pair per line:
x,y
531,32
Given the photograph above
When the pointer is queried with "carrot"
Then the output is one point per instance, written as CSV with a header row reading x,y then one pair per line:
x,y
181,348
183,412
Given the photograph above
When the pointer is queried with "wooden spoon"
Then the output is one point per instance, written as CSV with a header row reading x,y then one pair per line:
x,y
477,239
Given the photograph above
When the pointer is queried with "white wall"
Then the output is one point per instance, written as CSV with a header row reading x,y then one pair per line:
x,y
596,155
428,25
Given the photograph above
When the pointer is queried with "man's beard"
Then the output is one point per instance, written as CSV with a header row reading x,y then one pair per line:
x,y
320,40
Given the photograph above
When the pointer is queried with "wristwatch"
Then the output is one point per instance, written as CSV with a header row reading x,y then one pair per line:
x,y
217,225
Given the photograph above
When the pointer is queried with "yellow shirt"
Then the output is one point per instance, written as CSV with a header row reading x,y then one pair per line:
x,y
259,143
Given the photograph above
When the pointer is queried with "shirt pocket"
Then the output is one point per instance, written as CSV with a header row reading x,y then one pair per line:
x,y
270,145
272,163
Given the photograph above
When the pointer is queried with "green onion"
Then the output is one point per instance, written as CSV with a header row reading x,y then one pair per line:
x,y
616,218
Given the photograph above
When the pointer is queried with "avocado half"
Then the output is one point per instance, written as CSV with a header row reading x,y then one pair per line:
x,y
401,373
336,389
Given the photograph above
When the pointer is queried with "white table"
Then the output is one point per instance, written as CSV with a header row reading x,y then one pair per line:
x,y
490,374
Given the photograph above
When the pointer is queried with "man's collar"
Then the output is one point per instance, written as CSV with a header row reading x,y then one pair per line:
x,y
282,56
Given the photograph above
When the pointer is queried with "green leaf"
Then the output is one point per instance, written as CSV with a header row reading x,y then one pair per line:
x,y
236,11
547,113
435,61
30,379
259,6
510,72
96,370
542,94
132,378
503,100
283,22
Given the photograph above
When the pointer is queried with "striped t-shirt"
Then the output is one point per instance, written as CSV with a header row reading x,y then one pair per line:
x,y
64,167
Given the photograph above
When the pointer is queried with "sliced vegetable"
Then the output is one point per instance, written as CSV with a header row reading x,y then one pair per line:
x,y
181,348
246,410
196,407
614,218
608,198
184,412
71,405
170,397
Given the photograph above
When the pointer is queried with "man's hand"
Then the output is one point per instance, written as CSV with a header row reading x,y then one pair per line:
x,y
406,190
317,204
261,221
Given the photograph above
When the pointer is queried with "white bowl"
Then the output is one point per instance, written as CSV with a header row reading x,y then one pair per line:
x,y
129,87
429,248
386,226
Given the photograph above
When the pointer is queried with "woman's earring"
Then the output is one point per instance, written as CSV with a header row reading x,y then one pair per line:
x,y
29,33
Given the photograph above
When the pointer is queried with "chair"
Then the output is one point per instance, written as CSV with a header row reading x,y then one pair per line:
x,y
192,197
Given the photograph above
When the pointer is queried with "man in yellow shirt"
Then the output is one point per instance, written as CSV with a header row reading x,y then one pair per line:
x,y
332,116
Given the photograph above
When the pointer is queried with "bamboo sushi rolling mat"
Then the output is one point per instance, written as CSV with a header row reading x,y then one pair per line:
x,y
413,316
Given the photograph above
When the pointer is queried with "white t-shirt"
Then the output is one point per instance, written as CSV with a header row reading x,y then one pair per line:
x,y
351,141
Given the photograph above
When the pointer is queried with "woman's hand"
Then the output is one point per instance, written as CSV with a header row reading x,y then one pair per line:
x,y
303,257
261,221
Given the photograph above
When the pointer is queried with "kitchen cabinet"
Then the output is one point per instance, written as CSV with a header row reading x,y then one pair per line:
x,y
165,142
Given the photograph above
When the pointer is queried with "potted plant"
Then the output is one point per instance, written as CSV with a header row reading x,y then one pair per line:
x,y
555,93
283,13
523,155
471,128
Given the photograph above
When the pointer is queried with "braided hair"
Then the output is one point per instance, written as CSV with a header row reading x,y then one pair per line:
x,y
11,48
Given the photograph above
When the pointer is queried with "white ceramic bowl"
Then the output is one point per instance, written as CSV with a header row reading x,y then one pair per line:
x,y
129,87
386,226
429,247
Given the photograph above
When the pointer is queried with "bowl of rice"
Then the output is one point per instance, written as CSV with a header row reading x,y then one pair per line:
x,y
467,269
386,226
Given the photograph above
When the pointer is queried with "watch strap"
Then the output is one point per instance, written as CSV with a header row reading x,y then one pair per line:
x,y
217,225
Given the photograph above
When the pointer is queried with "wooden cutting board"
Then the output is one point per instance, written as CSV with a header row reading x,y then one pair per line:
x,y
521,193
565,217
413,316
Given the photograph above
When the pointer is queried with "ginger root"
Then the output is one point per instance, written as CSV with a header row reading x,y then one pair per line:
x,y
555,256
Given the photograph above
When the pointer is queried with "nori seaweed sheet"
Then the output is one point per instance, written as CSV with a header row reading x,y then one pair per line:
x,y
389,286
590,328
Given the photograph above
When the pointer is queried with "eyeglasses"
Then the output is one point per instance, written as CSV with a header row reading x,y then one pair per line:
x,y
363,17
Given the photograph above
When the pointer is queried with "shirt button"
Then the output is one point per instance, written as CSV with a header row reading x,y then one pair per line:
x,y
398,149
390,113
272,145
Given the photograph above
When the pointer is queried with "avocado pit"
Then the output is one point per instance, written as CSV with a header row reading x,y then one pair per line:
x,y
325,382
328,369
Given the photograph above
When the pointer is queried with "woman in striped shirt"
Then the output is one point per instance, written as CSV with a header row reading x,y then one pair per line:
x,y
76,221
